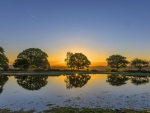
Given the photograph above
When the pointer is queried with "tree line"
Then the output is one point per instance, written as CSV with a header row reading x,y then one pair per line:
x,y
37,59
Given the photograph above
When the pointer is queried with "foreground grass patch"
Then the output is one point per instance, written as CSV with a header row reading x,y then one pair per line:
x,y
6,110
76,110
91,110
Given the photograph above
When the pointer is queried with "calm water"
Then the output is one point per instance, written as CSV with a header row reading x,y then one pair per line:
x,y
100,90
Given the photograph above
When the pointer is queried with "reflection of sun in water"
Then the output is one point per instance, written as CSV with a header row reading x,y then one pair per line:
x,y
76,74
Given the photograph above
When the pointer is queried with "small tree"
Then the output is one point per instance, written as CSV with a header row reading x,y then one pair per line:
x,y
139,63
77,61
21,63
117,61
3,59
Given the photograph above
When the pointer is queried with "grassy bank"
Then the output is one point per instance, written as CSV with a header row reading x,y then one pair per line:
x,y
76,110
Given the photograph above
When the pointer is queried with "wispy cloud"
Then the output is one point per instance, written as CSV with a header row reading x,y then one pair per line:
x,y
32,16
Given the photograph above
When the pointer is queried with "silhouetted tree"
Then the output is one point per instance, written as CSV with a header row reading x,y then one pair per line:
x,y
139,80
116,80
32,82
3,59
35,57
21,63
117,61
139,63
77,61
76,80
3,80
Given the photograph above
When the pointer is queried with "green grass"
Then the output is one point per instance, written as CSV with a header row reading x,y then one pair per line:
x,y
76,110
90,110
6,110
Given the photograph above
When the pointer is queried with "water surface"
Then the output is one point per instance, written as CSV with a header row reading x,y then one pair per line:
x,y
99,90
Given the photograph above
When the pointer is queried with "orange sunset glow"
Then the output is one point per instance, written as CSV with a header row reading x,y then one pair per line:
x,y
97,34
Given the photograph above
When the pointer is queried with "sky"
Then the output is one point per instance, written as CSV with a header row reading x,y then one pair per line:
x,y
97,28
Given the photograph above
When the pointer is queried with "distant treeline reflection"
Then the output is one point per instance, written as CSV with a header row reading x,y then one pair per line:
x,y
72,81
118,80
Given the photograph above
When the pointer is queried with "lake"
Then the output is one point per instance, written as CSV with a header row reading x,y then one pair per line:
x,y
86,90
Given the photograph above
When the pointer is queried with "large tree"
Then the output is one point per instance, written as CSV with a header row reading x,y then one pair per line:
x,y
77,61
3,59
117,61
36,57
139,63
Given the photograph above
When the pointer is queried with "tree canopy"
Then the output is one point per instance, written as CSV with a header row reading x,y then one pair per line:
x,y
77,61
117,61
3,59
139,63
36,57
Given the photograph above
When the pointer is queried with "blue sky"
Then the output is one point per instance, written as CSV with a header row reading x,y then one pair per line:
x,y
97,28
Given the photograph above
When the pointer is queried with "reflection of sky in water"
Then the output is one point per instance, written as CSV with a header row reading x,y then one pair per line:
x,y
95,93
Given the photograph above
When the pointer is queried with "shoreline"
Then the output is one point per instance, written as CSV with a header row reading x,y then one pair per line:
x,y
57,73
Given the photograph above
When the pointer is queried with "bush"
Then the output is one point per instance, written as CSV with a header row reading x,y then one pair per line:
x,y
5,67
33,67
137,71
94,70
38,70
111,70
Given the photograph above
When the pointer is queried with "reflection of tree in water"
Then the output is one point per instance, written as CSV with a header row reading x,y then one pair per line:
x,y
32,82
76,80
3,80
117,80
139,80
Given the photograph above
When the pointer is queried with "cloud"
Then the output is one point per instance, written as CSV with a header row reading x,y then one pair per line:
x,y
32,16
